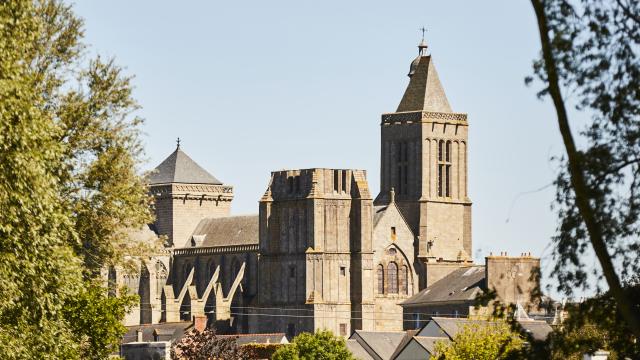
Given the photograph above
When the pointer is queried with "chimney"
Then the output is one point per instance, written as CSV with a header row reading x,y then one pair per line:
x,y
199,322
139,335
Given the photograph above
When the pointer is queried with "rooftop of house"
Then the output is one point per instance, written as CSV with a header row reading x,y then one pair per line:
x,y
358,351
164,332
383,343
274,338
460,285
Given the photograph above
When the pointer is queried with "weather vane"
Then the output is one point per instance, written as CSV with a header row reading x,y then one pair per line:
x,y
178,142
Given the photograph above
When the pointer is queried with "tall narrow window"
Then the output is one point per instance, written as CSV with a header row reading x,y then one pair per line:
x,y
404,276
444,168
344,181
336,181
392,275
297,184
380,276
393,233
402,161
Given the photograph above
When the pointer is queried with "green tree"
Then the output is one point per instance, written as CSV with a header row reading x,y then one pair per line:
x,y
590,56
69,188
490,341
322,345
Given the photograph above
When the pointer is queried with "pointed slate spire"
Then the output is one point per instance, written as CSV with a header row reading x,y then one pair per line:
x,y
180,168
424,92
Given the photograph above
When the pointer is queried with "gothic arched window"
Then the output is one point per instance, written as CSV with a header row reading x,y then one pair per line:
x,y
403,277
380,276
392,275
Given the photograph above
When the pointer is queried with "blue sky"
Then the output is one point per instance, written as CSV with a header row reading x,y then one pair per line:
x,y
252,87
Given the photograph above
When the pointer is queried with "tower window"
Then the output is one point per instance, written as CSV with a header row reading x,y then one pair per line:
x,y
393,233
402,160
444,168
343,270
343,329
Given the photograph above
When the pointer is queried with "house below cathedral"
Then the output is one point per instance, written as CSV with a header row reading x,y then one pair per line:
x,y
322,252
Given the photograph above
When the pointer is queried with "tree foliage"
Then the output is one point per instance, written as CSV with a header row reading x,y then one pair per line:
x,y
590,56
206,345
68,185
490,341
322,345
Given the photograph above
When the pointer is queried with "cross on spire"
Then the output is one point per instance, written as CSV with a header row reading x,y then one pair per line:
x,y
178,143
422,47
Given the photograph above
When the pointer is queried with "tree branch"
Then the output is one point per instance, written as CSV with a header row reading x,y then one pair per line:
x,y
627,307
628,12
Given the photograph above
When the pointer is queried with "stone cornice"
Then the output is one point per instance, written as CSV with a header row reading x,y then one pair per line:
x,y
216,250
412,117
204,192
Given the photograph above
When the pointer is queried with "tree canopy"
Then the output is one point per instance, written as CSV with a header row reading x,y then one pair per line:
x,y
69,187
490,341
322,345
589,63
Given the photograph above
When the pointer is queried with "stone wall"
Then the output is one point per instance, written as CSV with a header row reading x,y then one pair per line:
x,y
313,224
393,243
513,277
180,207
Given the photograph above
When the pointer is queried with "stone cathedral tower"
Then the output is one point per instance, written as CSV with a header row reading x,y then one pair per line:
x,y
424,159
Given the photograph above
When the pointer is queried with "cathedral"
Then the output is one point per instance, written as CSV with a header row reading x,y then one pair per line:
x,y
323,252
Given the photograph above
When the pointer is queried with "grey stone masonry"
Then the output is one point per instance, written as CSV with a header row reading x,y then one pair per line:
x,y
315,250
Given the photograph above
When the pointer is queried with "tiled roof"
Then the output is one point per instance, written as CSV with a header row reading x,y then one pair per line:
x,y
224,231
461,285
180,168
424,92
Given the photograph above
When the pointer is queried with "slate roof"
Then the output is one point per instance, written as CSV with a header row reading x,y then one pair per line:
x,y
224,231
429,343
461,285
166,331
383,343
538,329
275,338
408,335
358,351
424,92
180,168
451,326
